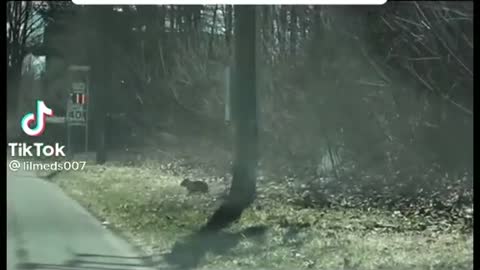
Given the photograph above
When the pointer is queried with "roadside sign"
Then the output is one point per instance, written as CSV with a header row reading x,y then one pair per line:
x,y
78,98
79,86
76,109
77,116
77,105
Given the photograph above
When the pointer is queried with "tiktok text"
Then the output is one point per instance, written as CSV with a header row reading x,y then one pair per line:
x,y
36,150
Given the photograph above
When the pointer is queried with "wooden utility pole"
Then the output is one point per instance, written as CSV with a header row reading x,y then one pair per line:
x,y
102,76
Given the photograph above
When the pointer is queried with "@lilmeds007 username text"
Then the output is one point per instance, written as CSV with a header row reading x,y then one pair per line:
x,y
17,165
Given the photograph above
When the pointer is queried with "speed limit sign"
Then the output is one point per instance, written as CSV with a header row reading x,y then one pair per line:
x,y
76,115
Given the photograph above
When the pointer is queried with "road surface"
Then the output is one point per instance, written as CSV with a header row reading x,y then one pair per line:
x,y
48,230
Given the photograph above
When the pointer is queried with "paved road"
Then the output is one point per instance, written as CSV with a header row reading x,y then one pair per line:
x,y
48,230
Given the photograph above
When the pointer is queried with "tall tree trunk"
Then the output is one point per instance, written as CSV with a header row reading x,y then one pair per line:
x,y
282,29
304,22
197,17
293,30
161,12
266,27
161,41
172,16
14,75
212,32
242,191
228,26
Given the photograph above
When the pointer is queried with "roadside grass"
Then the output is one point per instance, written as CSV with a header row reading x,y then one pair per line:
x,y
148,206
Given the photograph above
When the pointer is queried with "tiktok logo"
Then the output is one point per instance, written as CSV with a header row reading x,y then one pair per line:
x,y
39,119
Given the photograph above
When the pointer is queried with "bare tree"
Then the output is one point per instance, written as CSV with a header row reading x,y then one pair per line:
x,y
23,25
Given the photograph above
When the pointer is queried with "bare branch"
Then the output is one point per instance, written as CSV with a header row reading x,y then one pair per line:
x,y
425,22
459,106
375,66
34,25
469,42
424,58
424,82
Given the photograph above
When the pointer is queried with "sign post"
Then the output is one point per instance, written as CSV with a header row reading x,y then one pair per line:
x,y
227,94
77,104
